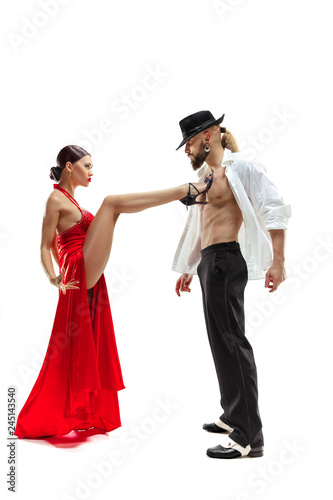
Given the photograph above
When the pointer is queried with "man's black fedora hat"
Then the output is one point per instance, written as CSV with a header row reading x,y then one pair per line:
x,y
193,124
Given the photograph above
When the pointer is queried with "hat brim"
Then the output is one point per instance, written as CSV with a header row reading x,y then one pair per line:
x,y
202,127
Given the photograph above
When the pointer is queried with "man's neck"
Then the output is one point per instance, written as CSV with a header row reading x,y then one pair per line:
x,y
214,160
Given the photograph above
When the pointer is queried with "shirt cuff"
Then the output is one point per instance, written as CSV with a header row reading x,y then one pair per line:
x,y
277,218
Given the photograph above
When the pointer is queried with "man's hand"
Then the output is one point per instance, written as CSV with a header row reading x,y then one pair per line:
x,y
183,283
274,276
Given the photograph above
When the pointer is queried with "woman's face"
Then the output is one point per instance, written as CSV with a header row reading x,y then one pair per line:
x,y
82,171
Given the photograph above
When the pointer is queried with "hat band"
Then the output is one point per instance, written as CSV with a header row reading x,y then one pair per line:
x,y
199,128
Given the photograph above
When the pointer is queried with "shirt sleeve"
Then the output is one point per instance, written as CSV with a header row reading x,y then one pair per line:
x,y
188,253
265,197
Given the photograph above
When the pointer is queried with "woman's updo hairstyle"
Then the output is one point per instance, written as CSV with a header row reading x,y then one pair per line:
x,y
68,153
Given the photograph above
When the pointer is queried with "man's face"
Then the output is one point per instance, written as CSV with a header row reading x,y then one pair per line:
x,y
194,148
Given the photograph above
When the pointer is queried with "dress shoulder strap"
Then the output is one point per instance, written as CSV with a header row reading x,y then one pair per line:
x,y
66,193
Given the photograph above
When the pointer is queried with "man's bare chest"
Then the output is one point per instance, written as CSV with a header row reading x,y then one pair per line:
x,y
220,192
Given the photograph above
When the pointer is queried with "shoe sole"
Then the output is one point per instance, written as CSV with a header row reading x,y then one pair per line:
x,y
218,432
254,453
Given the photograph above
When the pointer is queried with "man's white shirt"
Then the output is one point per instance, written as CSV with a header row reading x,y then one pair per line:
x,y
262,209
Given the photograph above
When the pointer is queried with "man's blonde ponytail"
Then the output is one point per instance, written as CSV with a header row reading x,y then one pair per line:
x,y
228,140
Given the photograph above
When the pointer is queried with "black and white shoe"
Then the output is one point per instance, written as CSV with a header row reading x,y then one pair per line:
x,y
234,450
218,427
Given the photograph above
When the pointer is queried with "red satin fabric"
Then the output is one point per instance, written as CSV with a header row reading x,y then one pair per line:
x,y
81,374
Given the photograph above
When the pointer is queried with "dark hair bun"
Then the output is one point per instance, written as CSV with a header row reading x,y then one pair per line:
x,y
55,173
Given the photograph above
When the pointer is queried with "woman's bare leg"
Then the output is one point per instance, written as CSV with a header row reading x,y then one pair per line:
x,y
98,241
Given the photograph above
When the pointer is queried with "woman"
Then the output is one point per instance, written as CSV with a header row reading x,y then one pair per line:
x,y
77,386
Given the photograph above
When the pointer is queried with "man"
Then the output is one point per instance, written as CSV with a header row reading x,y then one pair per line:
x,y
240,197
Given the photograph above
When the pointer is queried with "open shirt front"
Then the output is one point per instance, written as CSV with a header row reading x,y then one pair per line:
x,y
262,208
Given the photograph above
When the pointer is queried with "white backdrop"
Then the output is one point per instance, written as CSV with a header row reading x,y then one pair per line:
x,y
116,77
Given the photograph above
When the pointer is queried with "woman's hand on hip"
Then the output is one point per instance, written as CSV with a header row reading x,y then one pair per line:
x,y
70,285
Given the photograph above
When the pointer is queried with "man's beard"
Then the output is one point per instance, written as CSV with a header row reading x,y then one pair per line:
x,y
198,160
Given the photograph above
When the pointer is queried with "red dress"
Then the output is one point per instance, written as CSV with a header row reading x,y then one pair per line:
x,y
78,382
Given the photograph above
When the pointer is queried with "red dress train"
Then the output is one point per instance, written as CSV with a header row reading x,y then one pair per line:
x,y
78,382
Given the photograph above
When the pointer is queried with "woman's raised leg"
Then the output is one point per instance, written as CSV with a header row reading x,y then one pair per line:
x,y
98,241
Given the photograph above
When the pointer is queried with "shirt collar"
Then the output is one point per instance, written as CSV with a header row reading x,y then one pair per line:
x,y
228,156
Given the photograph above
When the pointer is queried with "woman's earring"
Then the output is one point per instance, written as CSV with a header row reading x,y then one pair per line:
x,y
207,147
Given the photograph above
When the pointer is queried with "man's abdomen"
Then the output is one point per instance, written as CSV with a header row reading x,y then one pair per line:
x,y
220,224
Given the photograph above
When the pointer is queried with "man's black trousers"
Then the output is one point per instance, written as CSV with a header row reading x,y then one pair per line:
x,y
223,276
